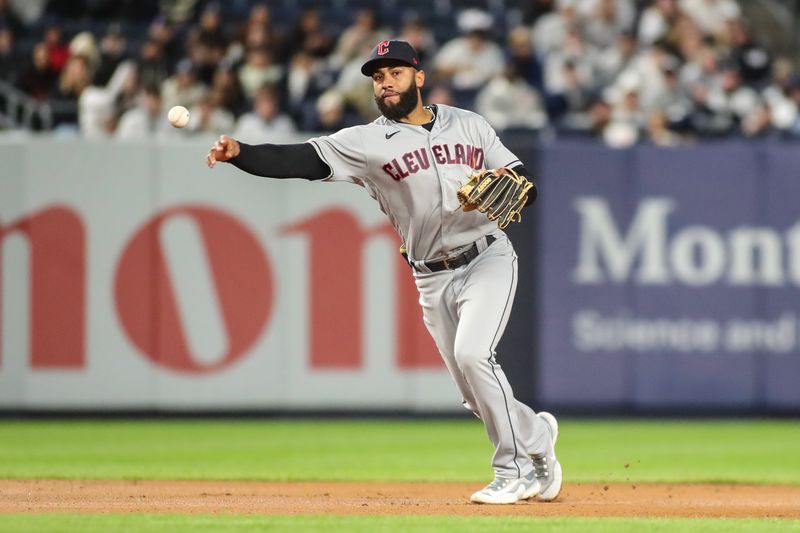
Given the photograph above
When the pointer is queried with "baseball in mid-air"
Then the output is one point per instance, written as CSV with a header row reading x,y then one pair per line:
x,y
178,116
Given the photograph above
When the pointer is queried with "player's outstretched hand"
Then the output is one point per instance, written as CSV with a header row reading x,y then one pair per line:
x,y
223,149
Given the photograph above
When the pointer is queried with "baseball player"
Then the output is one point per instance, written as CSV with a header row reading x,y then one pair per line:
x,y
413,160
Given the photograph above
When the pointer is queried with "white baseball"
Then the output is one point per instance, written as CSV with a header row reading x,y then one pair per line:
x,y
178,116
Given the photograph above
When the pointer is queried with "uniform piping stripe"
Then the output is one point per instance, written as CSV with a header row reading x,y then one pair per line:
x,y
489,360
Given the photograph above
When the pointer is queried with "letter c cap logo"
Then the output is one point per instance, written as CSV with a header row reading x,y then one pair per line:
x,y
383,48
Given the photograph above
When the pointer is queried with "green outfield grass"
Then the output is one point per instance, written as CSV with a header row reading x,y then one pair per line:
x,y
147,523
592,451
432,450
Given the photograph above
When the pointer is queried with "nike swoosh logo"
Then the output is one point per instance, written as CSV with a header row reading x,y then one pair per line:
x,y
390,135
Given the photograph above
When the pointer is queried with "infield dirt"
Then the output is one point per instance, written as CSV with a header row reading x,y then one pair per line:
x,y
344,498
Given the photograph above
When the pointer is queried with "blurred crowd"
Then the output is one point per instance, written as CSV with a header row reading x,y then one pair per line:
x,y
665,72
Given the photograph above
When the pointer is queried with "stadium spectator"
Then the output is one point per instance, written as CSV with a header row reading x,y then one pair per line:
x,y
226,84
648,68
84,45
611,61
75,78
254,37
178,12
713,115
39,79
604,20
9,62
209,117
10,20
206,57
758,123
163,32
778,96
29,11
658,21
301,84
258,30
126,90
98,104
754,60
659,132
309,35
598,117
415,32
471,59
578,55
182,88
112,53
330,114
507,101
57,50
440,94
728,96
146,120
628,118
362,34
521,54
357,95
209,28
569,102
711,16
700,68
265,121
258,70
794,94
153,66
551,27
674,101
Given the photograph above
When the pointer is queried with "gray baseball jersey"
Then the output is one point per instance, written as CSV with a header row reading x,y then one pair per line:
x,y
414,174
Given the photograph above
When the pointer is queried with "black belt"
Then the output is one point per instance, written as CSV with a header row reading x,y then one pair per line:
x,y
451,263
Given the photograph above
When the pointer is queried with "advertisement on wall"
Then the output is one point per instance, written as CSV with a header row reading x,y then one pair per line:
x,y
135,277
669,278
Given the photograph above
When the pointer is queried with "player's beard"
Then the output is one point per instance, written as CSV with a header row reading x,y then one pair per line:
x,y
404,106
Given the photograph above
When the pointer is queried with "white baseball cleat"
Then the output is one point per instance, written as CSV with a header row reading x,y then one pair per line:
x,y
507,490
545,465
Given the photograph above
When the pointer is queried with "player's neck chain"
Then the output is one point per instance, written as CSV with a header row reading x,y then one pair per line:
x,y
433,115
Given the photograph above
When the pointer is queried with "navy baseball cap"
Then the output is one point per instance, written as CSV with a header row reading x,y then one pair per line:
x,y
395,50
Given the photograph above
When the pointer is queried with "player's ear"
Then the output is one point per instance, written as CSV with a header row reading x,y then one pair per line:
x,y
419,77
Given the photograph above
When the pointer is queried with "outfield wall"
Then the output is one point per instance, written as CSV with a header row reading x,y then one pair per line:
x,y
133,277
669,279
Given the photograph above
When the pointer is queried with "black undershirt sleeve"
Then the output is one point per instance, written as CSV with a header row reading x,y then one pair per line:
x,y
281,161
534,192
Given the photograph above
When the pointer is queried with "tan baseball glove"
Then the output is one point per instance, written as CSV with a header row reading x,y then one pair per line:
x,y
500,192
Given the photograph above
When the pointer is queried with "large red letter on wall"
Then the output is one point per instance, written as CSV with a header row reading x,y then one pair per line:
x,y
146,299
337,277
57,241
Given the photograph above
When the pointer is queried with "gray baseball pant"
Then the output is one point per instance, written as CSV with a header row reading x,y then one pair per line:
x,y
466,311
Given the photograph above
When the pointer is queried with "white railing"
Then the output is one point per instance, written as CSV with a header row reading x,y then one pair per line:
x,y
20,110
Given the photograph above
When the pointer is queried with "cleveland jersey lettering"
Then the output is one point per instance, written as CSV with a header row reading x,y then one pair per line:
x,y
440,161
412,162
